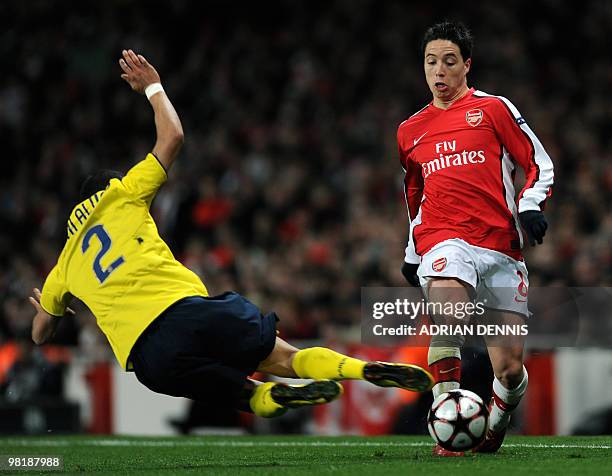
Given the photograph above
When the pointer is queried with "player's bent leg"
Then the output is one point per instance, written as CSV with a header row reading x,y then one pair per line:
x,y
509,383
272,399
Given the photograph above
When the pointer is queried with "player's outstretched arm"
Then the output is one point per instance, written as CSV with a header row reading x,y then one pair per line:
x,y
144,79
44,324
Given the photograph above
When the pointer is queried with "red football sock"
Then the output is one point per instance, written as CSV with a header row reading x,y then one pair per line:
x,y
447,375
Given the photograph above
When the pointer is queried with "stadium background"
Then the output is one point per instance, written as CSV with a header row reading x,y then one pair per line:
x,y
288,188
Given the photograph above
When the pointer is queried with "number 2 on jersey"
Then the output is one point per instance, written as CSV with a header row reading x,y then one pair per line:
x,y
106,242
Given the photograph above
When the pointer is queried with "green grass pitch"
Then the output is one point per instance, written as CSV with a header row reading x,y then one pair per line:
x,y
310,456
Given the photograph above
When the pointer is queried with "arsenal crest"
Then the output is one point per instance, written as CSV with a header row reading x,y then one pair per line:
x,y
438,265
473,117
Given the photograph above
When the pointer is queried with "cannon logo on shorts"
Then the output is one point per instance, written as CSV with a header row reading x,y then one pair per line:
x,y
522,289
473,117
438,265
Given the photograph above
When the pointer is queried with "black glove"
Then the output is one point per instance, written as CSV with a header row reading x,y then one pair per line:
x,y
534,223
409,271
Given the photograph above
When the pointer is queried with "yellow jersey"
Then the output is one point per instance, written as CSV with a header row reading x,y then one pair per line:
x,y
116,263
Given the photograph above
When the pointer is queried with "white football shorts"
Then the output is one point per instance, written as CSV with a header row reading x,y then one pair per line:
x,y
499,281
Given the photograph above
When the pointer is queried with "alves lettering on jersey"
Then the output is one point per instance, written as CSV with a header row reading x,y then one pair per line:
x,y
452,159
81,212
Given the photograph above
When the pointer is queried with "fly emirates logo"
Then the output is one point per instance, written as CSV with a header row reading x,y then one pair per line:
x,y
449,157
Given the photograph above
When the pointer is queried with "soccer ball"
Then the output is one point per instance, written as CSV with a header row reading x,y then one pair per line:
x,y
458,420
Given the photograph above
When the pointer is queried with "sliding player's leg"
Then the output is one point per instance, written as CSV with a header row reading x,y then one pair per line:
x,y
510,378
323,363
224,386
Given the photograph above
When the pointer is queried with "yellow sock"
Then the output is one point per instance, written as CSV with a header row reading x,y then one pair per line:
x,y
321,363
262,403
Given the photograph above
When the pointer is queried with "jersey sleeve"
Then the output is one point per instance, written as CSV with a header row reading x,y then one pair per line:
x,y
144,179
55,296
413,193
525,148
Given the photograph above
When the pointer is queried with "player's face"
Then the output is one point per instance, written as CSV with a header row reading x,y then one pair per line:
x,y
445,70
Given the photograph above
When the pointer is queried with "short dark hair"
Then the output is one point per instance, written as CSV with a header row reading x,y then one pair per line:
x,y
96,182
453,31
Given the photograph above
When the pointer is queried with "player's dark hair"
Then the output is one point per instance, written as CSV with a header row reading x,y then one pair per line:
x,y
96,182
456,32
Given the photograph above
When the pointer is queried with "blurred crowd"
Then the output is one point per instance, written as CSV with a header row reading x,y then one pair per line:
x,y
289,188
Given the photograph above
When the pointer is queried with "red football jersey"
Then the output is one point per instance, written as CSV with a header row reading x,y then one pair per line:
x,y
460,164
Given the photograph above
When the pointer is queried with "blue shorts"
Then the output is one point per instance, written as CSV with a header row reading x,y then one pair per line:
x,y
204,348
